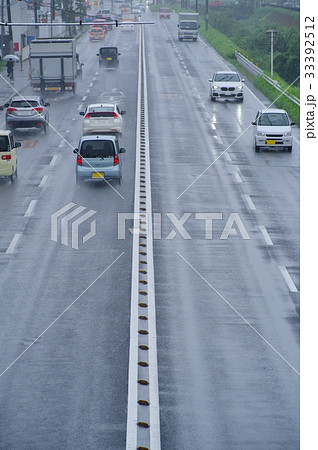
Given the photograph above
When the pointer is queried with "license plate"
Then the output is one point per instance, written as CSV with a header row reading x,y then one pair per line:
x,y
270,142
98,174
109,59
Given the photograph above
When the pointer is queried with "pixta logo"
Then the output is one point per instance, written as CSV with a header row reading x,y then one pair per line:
x,y
69,218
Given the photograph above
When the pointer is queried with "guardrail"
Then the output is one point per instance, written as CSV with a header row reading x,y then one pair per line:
x,y
255,70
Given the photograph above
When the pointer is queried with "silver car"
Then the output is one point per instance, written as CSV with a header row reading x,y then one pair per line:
x,y
27,112
98,159
102,118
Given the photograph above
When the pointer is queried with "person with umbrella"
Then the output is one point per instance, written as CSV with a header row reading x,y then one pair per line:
x,y
10,64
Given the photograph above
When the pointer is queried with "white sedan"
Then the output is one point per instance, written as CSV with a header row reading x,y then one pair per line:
x,y
102,118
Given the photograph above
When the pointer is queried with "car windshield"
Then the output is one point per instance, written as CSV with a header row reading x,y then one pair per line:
x,y
4,144
273,119
165,10
97,149
24,104
97,30
108,52
189,25
226,77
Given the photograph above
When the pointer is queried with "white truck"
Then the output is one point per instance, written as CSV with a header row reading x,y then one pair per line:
x,y
53,64
188,26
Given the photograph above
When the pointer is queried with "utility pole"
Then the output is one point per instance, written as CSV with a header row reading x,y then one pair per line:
x,y
2,28
271,34
206,14
10,27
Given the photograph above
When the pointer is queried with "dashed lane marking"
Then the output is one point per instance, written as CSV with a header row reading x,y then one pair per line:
x,y
266,236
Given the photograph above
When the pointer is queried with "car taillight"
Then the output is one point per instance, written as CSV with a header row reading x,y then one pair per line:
x,y
38,109
116,160
115,115
6,157
87,116
10,110
79,160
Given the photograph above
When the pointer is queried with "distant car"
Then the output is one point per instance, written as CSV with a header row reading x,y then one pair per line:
x,y
98,159
272,129
102,118
225,84
108,57
96,34
127,27
8,155
27,112
164,13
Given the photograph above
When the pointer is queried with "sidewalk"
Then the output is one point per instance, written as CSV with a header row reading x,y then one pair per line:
x,y
21,80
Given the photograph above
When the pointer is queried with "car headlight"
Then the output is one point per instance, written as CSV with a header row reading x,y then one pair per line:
x,y
288,133
260,133
215,87
239,87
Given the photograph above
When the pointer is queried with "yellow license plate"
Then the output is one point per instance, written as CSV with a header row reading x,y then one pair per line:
x,y
270,142
109,59
98,175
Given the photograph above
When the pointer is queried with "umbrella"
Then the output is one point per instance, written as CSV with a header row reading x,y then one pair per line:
x,y
13,58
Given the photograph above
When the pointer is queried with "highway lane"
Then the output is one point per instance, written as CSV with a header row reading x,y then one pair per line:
x,y
227,319
69,389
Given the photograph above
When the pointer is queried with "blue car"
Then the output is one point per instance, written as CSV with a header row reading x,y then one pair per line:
x,y
98,158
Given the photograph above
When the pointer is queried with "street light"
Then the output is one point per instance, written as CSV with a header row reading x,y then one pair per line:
x,y
271,34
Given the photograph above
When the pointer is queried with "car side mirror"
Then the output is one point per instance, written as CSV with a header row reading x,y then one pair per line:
x,y
253,123
123,112
178,26
75,150
81,113
82,64
47,104
118,53
243,80
122,150
97,54
210,80
292,123
17,144
7,105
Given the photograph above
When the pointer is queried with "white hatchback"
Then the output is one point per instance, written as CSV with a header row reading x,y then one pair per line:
x,y
102,118
272,129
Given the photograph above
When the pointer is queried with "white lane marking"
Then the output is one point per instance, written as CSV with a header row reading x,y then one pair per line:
x,y
94,78
43,181
30,209
84,98
80,107
249,201
91,84
213,126
67,131
228,157
237,175
62,143
13,243
219,140
266,236
53,160
288,279
96,73
88,91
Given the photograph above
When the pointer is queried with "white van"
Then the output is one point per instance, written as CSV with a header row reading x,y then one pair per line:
x,y
8,155
273,129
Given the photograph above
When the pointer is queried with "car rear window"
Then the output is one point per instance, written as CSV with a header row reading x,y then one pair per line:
x,y
273,119
24,104
108,51
97,149
101,111
4,144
